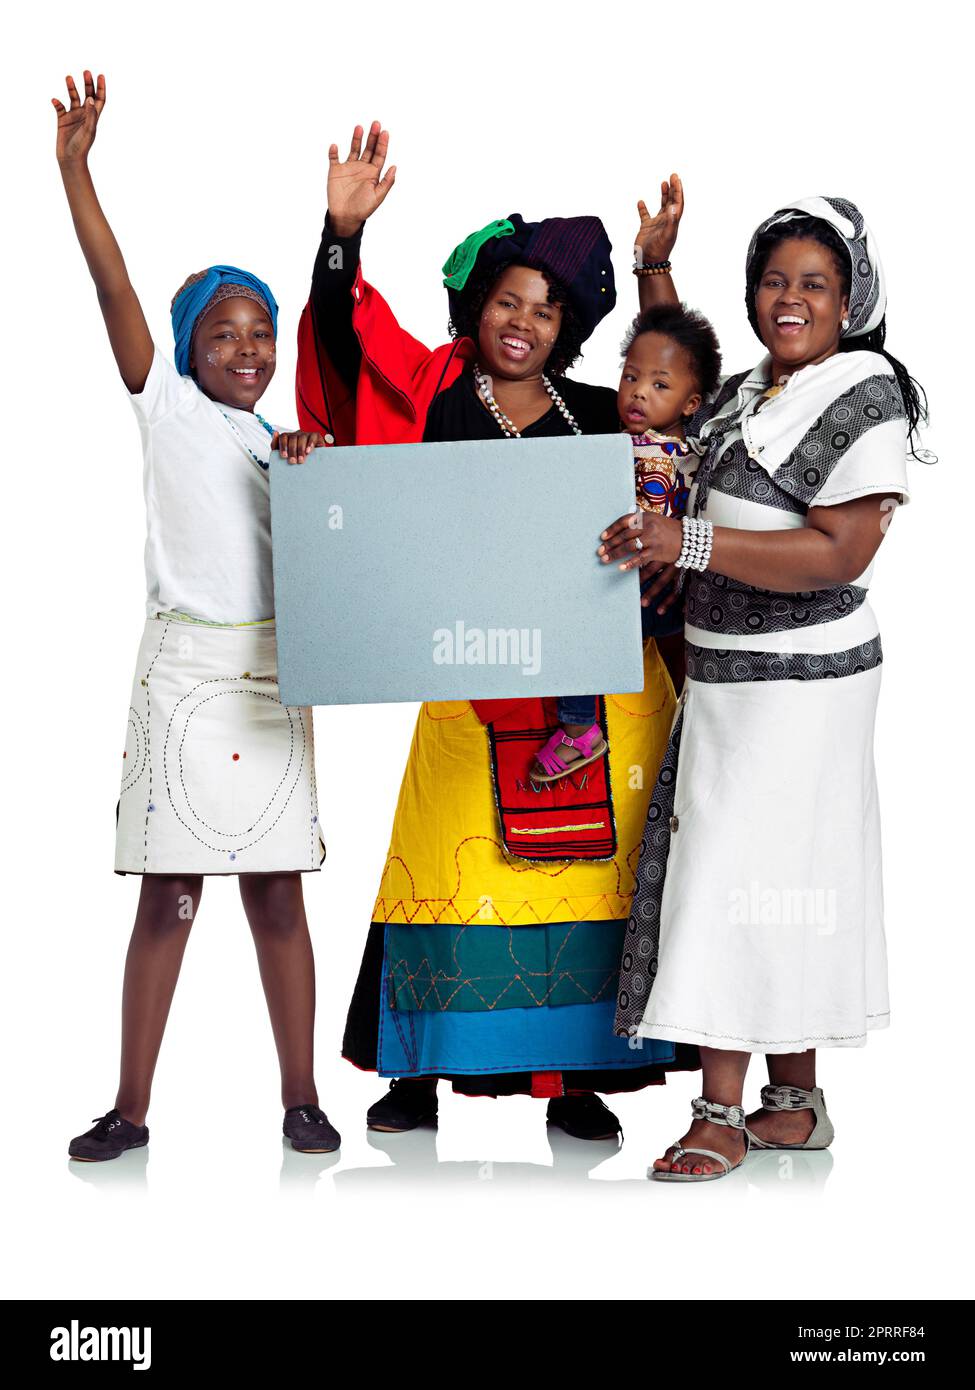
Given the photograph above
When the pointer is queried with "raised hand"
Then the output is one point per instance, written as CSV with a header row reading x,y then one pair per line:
x,y
78,122
357,185
658,233
127,330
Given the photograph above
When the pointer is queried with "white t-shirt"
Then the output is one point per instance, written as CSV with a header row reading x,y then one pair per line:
x,y
208,504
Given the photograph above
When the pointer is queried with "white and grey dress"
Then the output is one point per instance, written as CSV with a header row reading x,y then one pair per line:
x,y
757,922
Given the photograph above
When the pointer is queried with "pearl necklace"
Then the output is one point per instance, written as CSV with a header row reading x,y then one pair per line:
x,y
506,425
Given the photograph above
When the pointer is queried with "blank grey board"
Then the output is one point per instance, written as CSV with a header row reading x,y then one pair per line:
x,y
453,571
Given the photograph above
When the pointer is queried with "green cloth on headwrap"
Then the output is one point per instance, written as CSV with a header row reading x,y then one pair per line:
x,y
460,262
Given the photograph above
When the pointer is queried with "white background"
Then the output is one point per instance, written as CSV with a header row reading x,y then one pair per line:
x,y
213,148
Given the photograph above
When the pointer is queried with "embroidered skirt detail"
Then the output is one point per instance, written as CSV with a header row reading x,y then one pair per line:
x,y
218,777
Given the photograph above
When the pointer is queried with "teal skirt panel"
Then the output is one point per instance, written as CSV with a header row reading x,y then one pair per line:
x,y
473,969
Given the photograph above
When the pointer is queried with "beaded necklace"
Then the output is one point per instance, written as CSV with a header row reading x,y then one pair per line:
x,y
506,425
261,420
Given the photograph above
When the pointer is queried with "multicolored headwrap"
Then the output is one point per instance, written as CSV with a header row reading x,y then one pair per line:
x,y
205,289
575,250
868,291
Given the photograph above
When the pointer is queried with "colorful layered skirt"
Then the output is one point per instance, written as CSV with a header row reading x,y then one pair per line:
x,y
498,970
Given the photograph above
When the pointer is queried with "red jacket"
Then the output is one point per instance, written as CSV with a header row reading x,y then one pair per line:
x,y
398,376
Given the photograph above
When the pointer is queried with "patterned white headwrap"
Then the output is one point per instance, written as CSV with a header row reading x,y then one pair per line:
x,y
868,290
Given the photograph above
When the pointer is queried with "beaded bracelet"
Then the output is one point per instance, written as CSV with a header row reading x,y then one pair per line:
x,y
695,551
653,268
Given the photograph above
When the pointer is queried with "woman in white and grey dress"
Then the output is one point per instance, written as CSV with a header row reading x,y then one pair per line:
x,y
757,924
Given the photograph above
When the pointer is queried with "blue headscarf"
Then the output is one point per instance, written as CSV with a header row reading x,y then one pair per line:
x,y
193,300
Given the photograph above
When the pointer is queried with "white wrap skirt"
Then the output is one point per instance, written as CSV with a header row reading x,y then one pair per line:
x,y
771,920
218,777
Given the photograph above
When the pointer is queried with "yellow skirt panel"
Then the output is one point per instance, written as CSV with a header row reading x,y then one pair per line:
x,y
446,863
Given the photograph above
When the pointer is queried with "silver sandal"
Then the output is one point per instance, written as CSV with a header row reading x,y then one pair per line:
x,y
731,1115
795,1098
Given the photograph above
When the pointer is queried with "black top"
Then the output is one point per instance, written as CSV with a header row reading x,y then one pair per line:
x,y
456,413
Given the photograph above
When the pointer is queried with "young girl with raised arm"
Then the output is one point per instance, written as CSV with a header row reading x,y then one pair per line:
x,y
217,775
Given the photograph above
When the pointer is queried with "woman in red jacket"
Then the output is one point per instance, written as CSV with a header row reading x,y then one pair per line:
x,y
494,971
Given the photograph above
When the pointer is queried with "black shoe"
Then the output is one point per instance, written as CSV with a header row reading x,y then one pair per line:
x,y
405,1105
583,1117
309,1130
111,1136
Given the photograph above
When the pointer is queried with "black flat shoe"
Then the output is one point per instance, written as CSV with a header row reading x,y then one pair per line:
x,y
583,1117
309,1130
111,1136
405,1105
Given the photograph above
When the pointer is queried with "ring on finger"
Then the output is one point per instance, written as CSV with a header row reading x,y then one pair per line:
x,y
638,544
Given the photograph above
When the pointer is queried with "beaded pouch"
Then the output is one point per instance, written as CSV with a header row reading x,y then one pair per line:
x,y
569,819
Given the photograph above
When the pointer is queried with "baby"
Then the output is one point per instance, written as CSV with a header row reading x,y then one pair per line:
x,y
672,365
